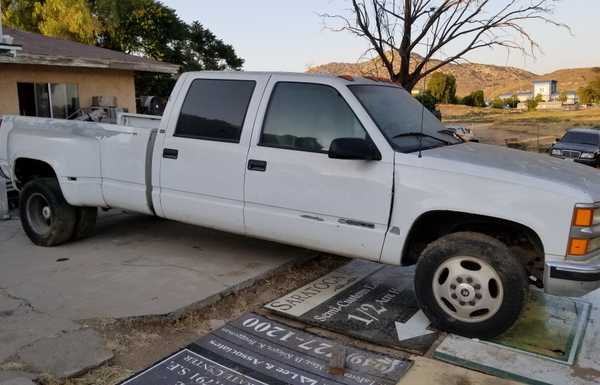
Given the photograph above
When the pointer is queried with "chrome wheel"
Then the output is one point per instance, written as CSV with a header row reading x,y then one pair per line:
x,y
39,213
468,289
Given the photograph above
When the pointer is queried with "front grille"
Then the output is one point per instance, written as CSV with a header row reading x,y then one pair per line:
x,y
571,154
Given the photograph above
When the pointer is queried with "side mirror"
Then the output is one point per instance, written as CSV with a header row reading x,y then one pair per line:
x,y
353,148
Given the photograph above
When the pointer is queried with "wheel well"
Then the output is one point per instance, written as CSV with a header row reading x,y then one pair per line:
x,y
524,243
28,169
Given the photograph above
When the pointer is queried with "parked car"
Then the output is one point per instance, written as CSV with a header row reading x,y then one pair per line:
x,y
349,166
581,145
464,133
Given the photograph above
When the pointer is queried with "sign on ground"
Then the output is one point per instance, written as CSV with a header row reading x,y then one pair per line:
x,y
254,350
366,300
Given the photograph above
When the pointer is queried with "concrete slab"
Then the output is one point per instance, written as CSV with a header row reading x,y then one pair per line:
x,y
18,381
8,305
26,326
426,371
16,374
134,266
66,355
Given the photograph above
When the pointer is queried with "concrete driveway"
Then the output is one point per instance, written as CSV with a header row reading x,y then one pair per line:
x,y
135,266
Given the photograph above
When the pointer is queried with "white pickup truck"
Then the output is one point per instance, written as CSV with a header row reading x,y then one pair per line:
x,y
344,165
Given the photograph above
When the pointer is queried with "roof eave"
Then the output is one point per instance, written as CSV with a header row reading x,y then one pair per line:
x,y
156,67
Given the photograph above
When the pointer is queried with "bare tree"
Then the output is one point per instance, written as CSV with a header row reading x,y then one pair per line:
x,y
396,29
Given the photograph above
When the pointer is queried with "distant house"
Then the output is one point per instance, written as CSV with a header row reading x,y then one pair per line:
x,y
524,96
505,96
49,77
548,89
572,98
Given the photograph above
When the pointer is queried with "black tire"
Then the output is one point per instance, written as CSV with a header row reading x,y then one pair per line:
x,y
471,249
86,223
40,197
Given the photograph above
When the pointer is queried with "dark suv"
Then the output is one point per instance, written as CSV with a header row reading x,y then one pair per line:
x,y
581,145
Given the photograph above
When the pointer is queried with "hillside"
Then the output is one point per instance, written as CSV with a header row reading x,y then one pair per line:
x,y
494,80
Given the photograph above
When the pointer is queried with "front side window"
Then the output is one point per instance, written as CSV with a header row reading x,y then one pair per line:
x,y
404,121
215,109
308,117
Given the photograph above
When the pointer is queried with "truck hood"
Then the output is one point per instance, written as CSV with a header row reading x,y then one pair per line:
x,y
539,171
576,147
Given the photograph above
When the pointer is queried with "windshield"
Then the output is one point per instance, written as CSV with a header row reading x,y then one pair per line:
x,y
398,115
580,138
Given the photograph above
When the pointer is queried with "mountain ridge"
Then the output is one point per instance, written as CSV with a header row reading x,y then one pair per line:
x,y
493,79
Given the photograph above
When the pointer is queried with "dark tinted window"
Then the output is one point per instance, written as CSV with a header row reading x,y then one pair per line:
x,y
308,117
215,109
402,119
581,138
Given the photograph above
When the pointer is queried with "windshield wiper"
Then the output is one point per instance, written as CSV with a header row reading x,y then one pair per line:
x,y
420,134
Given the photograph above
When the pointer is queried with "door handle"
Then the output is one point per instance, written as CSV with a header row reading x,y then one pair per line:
x,y
170,153
257,165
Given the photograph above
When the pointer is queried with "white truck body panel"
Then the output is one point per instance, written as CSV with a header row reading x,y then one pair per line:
x,y
356,208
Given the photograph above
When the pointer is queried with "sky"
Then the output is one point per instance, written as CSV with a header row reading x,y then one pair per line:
x,y
289,35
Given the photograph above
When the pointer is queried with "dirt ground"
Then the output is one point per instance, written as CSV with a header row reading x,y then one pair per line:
x,y
138,343
535,130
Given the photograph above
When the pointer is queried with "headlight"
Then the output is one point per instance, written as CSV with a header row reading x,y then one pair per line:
x,y
587,155
556,152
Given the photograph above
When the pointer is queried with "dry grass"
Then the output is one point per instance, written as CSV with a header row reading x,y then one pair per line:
x,y
588,117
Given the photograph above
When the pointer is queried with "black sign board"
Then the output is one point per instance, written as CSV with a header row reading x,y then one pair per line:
x,y
364,300
254,350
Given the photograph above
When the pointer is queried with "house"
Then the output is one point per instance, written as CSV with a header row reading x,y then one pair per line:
x,y
572,98
49,77
548,89
524,96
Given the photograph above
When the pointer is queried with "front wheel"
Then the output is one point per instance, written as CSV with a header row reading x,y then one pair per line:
x,y
470,284
48,220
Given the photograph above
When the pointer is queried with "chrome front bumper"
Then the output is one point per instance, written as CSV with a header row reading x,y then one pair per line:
x,y
573,279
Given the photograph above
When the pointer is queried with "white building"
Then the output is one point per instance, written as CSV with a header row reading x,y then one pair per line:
x,y
547,88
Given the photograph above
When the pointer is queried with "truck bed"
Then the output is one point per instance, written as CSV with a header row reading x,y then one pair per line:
x,y
96,164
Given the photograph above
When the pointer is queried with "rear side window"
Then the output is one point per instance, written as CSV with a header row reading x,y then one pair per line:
x,y
308,117
215,109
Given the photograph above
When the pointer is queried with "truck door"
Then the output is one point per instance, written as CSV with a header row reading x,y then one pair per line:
x,y
294,192
205,147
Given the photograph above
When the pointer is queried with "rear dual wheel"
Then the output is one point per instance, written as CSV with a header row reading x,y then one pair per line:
x,y
48,220
470,284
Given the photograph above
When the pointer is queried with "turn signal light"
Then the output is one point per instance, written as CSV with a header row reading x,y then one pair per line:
x,y
583,217
578,247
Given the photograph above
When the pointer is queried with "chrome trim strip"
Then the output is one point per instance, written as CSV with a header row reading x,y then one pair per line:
x,y
575,267
585,232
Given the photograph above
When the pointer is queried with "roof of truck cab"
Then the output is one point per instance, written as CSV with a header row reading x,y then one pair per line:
x,y
346,79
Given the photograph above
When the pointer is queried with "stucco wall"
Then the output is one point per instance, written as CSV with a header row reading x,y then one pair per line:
x,y
91,82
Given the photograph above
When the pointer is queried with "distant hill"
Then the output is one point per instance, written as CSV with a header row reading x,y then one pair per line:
x,y
493,80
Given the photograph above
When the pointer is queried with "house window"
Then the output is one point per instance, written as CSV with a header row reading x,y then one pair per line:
x,y
48,100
